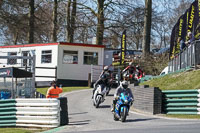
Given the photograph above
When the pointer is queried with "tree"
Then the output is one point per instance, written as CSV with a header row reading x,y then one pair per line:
x,y
31,22
147,28
100,24
71,20
55,14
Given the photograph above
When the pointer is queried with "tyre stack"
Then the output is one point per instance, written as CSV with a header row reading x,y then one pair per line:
x,y
64,120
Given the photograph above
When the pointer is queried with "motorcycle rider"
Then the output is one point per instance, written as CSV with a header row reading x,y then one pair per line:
x,y
139,71
122,88
104,78
130,68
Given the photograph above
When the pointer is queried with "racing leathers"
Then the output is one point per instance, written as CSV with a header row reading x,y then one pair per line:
x,y
118,91
104,80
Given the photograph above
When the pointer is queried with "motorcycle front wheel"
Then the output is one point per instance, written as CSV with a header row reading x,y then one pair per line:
x,y
107,93
124,114
98,100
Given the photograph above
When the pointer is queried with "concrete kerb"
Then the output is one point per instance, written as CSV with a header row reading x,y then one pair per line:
x,y
54,130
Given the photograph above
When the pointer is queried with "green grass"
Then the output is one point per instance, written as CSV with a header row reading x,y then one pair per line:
x,y
19,130
65,89
184,116
178,81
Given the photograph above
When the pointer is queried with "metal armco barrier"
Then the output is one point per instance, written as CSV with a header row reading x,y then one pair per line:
x,y
187,58
30,113
181,101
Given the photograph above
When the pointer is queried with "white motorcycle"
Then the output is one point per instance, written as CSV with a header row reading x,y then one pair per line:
x,y
99,95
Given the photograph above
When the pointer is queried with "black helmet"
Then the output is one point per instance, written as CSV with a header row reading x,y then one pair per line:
x,y
124,84
53,82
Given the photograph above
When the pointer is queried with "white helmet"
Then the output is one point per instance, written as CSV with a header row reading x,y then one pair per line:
x,y
124,84
130,63
105,68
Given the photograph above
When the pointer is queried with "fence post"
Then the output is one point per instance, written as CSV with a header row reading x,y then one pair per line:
x,y
186,57
56,73
191,54
89,80
119,75
180,60
33,89
194,48
91,73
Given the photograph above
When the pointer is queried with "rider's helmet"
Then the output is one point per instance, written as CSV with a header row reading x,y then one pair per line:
x,y
130,63
137,66
124,84
105,68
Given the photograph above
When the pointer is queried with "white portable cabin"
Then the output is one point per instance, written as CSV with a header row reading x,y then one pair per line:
x,y
69,63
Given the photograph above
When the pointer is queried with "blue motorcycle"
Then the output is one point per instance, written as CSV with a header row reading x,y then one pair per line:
x,y
122,107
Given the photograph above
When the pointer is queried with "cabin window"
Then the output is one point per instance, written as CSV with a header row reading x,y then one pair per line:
x,y
46,56
12,61
70,57
91,58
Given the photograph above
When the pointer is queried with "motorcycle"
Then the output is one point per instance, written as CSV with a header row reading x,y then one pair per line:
x,y
122,107
108,87
130,77
99,95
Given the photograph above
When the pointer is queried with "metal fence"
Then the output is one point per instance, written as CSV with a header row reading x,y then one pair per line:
x,y
189,57
18,86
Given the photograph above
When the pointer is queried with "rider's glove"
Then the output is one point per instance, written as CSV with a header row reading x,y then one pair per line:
x,y
116,97
132,101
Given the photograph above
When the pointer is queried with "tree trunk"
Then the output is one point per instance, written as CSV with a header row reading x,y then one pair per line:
x,y
31,22
147,28
100,25
16,34
55,14
73,21
68,21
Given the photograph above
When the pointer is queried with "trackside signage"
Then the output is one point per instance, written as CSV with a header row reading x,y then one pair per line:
x,y
123,48
6,72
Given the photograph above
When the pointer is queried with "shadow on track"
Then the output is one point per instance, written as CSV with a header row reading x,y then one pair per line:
x,y
138,120
110,95
104,106
81,113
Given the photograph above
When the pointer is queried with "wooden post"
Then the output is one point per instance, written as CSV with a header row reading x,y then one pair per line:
x,y
89,80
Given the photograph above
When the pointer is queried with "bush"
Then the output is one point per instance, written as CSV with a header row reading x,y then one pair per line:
x,y
153,64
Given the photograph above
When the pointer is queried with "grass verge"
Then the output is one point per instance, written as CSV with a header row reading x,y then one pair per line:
x,y
184,116
19,130
179,81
